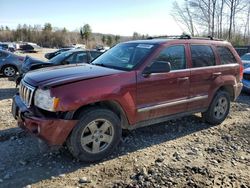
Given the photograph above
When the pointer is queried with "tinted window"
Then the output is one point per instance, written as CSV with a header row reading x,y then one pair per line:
x,y
226,57
81,58
59,58
95,54
202,56
175,55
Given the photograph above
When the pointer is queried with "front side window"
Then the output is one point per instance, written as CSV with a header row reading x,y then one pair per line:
x,y
59,58
202,56
226,57
95,54
81,58
175,55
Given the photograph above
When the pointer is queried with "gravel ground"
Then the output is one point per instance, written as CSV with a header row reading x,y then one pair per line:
x,y
182,153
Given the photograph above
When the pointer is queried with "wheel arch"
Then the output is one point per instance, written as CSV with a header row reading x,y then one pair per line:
x,y
112,105
229,89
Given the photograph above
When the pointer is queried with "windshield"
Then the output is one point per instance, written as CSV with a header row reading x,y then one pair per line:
x,y
124,56
57,59
245,57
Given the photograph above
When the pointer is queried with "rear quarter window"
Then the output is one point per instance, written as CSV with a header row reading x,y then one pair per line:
x,y
202,56
226,56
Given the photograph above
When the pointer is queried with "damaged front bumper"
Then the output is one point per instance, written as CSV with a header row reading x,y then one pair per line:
x,y
53,131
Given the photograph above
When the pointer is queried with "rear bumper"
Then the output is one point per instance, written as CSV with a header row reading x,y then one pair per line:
x,y
53,131
237,90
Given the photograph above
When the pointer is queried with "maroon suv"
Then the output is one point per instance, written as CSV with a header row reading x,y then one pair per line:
x,y
134,84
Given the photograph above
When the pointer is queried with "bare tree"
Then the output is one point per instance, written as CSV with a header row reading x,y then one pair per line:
x,y
184,16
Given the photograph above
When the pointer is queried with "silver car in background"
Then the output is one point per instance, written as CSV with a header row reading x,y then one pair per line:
x,y
10,63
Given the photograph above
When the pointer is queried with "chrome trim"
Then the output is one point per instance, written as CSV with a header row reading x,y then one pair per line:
x,y
26,92
163,105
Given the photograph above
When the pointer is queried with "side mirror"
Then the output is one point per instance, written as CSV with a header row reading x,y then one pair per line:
x,y
157,67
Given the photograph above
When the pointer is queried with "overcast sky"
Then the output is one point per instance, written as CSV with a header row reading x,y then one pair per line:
x,y
120,17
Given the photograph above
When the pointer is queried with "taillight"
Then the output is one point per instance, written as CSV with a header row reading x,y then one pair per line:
x,y
241,72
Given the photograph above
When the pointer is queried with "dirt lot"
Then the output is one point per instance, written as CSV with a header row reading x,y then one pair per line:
x,y
183,153
39,55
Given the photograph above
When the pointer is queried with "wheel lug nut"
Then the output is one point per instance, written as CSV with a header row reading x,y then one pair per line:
x,y
101,136
96,140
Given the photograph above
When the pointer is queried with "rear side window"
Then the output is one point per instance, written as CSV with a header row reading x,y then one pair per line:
x,y
226,56
202,56
175,55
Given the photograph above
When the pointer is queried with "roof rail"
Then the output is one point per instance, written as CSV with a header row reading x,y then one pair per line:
x,y
171,37
185,37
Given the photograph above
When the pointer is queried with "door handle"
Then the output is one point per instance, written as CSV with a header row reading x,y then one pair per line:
x,y
216,74
183,78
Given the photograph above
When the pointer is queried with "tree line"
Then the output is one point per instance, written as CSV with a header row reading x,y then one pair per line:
x,y
227,19
48,36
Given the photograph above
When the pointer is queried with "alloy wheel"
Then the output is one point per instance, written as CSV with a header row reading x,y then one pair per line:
x,y
97,136
220,107
9,71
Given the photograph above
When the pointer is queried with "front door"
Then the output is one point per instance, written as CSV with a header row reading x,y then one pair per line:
x,y
161,94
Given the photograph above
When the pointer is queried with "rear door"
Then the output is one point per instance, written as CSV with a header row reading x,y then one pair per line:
x,y
203,73
162,94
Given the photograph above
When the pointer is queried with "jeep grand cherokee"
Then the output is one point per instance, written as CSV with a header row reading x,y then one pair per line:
x,y
134,84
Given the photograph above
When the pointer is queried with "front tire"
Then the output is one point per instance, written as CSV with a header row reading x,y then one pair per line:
x,y
9,71
95,136
218,109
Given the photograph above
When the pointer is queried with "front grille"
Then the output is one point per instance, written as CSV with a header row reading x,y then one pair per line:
x,y
246,76
26,93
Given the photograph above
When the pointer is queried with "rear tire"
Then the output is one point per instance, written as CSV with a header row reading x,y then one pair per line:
x,y
9,71
218,109
95,136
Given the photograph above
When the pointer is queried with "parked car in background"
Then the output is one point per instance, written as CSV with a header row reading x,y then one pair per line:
x,y
246,60
7,46
246,80
69,57
134,84
55,53
29,48
10,63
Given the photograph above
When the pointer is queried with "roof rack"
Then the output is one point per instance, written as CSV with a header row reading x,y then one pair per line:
x,y
171,37
185,37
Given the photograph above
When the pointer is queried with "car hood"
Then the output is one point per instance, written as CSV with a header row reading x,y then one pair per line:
x,y
59,75
30,61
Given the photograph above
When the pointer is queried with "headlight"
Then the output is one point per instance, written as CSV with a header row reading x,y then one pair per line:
x,y
44,100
